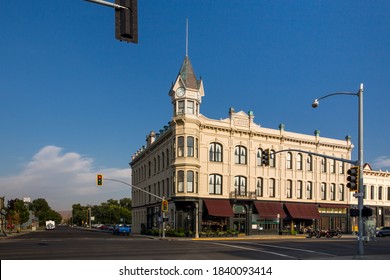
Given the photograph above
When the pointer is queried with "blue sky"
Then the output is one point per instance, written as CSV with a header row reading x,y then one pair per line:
x,y
74,101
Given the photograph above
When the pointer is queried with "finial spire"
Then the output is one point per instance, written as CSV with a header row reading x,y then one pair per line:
x,y
187,37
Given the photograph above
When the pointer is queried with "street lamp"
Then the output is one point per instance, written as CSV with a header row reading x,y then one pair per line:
x,y
359,162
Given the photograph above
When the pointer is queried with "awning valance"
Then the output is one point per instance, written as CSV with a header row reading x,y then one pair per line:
x,y
327,205
219,207
270,210
303,211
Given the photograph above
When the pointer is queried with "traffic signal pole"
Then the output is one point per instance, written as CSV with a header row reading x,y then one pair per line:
x,y
359,162
152,194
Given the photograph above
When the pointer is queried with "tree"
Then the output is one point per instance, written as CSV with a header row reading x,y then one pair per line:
x,y
44,212
17,212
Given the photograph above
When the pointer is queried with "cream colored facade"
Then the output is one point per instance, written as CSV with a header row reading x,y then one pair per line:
x,y
204,166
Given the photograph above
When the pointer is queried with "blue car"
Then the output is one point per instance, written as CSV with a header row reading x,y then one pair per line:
x,y
382,231
121,229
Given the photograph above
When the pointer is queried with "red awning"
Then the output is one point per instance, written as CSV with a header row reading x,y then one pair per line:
x,y
219,207
303,211
270,210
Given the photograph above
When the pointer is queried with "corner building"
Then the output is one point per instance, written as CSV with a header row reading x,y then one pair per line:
x,y
211,173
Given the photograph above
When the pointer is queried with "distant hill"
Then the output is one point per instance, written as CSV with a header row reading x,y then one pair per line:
x,y
65,215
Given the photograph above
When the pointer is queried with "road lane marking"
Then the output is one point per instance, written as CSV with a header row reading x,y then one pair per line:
x,y
290,248
256,250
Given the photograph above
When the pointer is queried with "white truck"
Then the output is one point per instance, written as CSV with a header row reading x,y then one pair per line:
x,y
50,224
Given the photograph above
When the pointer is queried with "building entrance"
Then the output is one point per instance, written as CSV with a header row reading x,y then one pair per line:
x,y
239,225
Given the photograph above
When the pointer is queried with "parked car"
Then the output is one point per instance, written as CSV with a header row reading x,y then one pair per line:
x,y
382,231
122,229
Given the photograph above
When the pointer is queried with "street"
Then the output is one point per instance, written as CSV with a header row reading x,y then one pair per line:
x,y
66,243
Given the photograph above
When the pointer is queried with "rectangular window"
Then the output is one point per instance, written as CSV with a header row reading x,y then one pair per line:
x,y
180,109
190,146
190,181
197,148
180,181
190,107
180,146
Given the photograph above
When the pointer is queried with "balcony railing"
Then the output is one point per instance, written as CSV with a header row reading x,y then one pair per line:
x,y
242,195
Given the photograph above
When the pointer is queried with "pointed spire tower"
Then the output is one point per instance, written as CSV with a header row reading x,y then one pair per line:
x,y
187,91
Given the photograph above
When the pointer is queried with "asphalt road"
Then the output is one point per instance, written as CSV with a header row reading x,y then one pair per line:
x,y
66,243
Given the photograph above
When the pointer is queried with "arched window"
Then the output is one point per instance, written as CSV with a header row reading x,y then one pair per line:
x,y
240,155
333,191
323,191
309,163
240,185
309,190
289,189
289,161
258,157
272,188
272,160
259,186
341,192
299,189
333,166
380,191
215,152
215,184
323,165
299,162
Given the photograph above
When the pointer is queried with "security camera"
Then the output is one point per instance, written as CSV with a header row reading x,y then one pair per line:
x,y
315,103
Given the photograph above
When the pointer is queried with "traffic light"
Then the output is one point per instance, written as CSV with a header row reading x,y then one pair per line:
x,y
126,21
164,206
265,156
353,178
99,180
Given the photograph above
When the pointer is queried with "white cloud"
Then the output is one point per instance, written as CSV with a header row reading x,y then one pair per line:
x,y
64,179
381,162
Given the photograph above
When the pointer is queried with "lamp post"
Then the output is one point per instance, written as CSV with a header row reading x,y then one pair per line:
x,y
359,162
